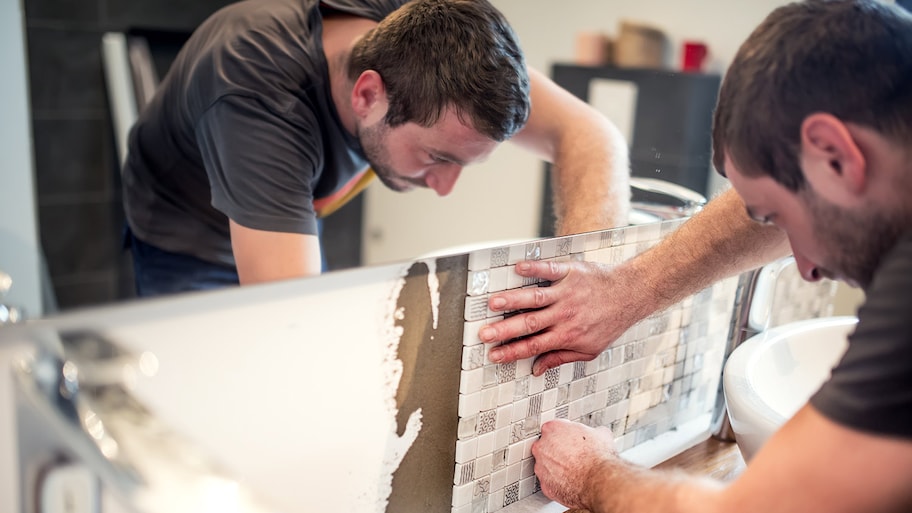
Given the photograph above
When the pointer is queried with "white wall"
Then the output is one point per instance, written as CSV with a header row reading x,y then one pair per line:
x,y
18,226
500,199
18,232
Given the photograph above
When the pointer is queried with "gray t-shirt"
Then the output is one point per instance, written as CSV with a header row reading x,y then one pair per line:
x,y
871,387
242,127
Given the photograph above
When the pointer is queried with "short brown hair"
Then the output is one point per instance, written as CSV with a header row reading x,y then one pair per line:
x,y
848,58
434,54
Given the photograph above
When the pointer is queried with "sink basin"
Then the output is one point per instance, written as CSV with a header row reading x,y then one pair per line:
x,y
769,377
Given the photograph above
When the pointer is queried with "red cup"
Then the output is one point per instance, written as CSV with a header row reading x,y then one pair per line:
x,y
694,55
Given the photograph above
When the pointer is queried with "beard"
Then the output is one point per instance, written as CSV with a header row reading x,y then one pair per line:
x,y
373,143
856,241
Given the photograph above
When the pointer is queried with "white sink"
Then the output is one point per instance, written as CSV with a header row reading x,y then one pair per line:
x,y
769,377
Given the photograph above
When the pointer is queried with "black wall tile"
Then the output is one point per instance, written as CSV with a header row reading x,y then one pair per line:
x,y
86,290
165,14
69,11
81,237
74,157
65,71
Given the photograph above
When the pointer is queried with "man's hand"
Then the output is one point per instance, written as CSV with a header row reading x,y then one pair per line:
x,y
570,459
586,308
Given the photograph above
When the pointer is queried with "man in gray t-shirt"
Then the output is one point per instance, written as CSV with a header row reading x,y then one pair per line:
x,y
275,112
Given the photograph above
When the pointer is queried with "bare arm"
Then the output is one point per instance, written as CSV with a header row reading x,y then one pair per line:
x,y
263,256
589,157
811,464
590,305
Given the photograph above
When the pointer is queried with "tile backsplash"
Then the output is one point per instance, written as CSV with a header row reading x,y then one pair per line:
x,y
660,374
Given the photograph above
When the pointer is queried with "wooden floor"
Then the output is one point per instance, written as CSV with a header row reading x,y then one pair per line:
x,y
712,458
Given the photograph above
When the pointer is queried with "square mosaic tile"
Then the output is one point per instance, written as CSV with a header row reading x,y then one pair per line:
x,y
662,373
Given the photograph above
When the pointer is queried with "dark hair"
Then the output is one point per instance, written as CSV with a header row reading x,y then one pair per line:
x,y
434,54
848,58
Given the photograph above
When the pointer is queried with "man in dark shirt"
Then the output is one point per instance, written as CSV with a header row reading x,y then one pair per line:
x,y
277,111
813,128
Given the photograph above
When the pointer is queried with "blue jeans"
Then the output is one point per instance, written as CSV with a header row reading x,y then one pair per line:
x,y
158,272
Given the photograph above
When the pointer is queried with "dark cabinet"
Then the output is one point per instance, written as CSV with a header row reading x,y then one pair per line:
x,y
672,122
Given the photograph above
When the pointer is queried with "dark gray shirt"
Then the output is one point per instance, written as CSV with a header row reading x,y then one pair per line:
x,y
871,387
242,127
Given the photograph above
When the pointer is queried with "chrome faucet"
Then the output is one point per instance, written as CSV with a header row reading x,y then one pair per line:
x,y
664,199
79,385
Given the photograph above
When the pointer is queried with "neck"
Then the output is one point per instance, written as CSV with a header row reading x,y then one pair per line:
x,y
340,32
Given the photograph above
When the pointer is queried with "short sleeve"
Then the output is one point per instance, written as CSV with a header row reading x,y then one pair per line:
x,y
871,387
261,167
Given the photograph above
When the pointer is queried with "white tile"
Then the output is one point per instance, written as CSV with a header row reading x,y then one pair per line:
x,y
527,450
504,416
499,278
502,438
462,495
470,381
467,427
466,450
515,454
478,283
549,399
480,259
472,357
469,404
519,409
514,472
470,330
483,466
476,308
536,384
488,398
506,393
524,367
485,448
499,479
528,469
495,501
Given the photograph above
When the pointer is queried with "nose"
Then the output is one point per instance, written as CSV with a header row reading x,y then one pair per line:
x,y
807,268
443,178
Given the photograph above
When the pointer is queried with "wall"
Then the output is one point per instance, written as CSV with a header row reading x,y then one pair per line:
x,y
18,231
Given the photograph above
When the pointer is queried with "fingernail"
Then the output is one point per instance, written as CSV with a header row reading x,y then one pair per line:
x,y
485,334
496,355
497,303
523,266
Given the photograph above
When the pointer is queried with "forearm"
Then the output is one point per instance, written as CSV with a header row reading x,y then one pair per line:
x,y
590,179
624,488
590,168
719,242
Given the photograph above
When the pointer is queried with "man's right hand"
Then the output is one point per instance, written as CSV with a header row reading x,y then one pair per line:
x,y
586,308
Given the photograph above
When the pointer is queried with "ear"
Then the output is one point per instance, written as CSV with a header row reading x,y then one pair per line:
x,y
831,159
368,98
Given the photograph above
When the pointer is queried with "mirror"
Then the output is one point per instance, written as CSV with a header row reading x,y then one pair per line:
x,y
74,154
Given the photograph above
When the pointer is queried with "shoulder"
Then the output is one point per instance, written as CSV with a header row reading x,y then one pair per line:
x,y
372,9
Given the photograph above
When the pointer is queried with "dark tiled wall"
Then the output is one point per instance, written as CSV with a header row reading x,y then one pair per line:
x,y
79,203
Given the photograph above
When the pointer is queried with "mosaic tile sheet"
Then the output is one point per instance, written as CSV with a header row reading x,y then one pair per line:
x,y
660,374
